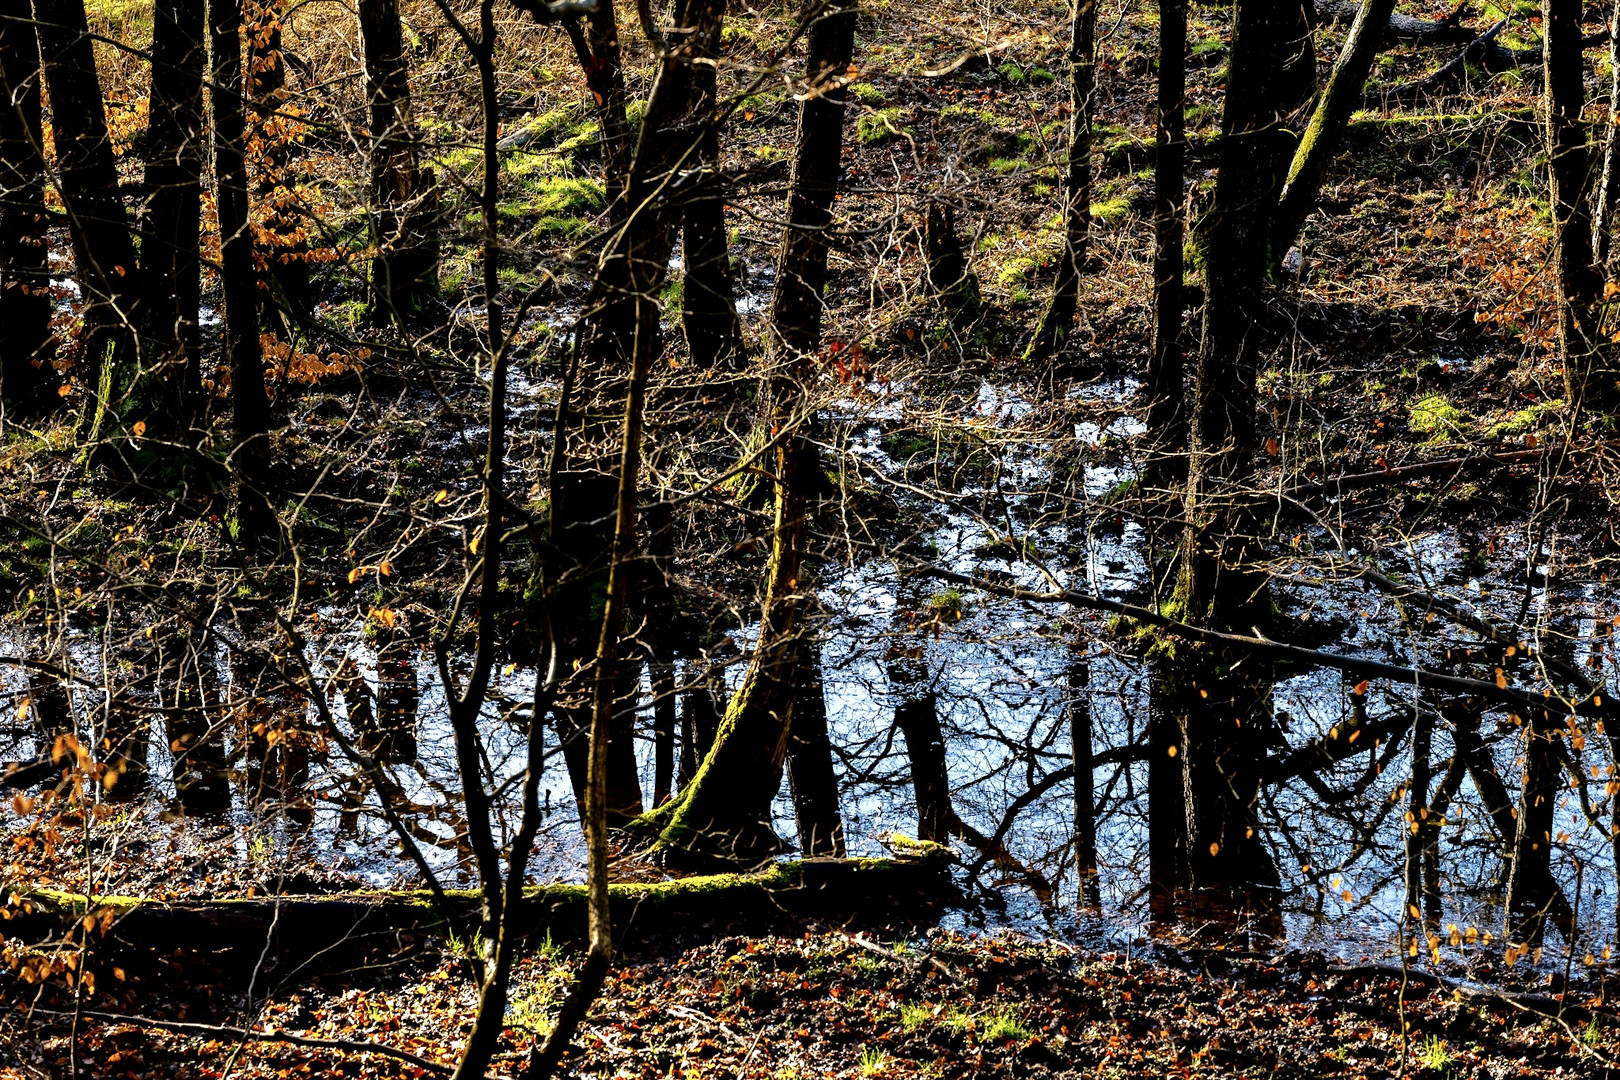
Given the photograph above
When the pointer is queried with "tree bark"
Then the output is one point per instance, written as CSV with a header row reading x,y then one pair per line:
x,y
1056,324
1165,385
1167,794
171,266
1320,142
810,764
27,376
1589,376
1607,196
1228,714
402,201
726,813
708,294
916,714
239,279
87,173
1080,754
1530,882
283,222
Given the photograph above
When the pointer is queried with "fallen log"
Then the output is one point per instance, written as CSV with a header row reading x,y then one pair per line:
x,y
319,934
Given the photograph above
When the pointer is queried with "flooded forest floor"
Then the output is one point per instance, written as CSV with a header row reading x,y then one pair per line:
x,y
1416,333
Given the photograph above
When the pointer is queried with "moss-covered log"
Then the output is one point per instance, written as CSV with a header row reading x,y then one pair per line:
x,y
314,934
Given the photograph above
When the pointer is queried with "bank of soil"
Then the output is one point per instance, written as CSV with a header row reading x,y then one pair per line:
x,y
830,1004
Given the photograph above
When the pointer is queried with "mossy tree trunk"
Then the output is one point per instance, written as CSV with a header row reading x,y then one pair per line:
x,y
725,813
1589,371
1320,142
27,378
1057,323
171,267
401,198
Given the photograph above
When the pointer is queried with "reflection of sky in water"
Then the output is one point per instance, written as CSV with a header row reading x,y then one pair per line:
x,y
1002,678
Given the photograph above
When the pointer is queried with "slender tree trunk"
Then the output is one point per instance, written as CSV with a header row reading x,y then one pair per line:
x,y
1080,753
1530,882
1589,375
708,295
1167,794
171,268
87,174
916,714
200,777
239,280
404,272
948,273
725,815
1165,385
810,764
283,221
1417,812
1317,147
27,377
1053,332
700,718
1607,196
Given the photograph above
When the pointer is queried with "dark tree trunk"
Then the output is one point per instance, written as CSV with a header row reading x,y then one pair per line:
x,y
1165,386
1417,807
1228,717
1167,794
88,176
1053,332
286,276
916,714
171,268
726,811
27,377
188,699
402,201
810,764
1589,372
398,698
1320,143
239,280
1080,754
948,273
1531,887
700,718
708,295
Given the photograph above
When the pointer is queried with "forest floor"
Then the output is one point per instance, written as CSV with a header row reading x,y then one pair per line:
x,y
835,1005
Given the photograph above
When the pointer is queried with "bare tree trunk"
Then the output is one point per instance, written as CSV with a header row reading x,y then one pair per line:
x,y
708,296
1228,711
403,203
1165,385
283,222
1607,196
1417,812
1589,375
916,714
171,267
1053,332
1167,793
27,377
88,176
239,279
1080,754
1530,882
809,762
